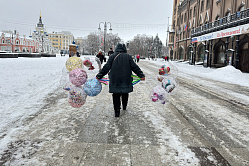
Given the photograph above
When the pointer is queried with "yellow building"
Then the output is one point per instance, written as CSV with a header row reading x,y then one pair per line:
x,y
61,41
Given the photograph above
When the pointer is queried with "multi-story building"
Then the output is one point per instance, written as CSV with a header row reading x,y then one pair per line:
x,y
61,40
214,32
13,42
40,35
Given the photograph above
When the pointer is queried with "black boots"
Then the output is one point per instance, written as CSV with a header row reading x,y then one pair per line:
x,y
117,112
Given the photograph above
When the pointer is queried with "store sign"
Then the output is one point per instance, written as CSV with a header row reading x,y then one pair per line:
x,y
242,29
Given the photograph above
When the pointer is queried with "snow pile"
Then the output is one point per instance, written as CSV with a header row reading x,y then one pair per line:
x,y
229,74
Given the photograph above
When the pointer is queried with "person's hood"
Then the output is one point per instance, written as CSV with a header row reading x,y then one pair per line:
x,y
121,48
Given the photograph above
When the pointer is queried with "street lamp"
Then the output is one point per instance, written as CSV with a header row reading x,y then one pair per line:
x,y
105,29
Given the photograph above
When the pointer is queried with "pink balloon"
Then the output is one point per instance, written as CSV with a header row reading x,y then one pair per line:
x,y
75,103
78,77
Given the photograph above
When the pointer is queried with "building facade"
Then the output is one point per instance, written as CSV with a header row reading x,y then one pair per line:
x,y
61,41
79,41
214,32
13,42
40,35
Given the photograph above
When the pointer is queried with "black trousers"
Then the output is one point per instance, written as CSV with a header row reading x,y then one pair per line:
x,y
116,100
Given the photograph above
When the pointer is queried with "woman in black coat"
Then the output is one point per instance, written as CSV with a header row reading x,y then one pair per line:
x,y
120,64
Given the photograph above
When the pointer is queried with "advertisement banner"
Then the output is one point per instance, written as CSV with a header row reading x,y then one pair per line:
x,y
242,29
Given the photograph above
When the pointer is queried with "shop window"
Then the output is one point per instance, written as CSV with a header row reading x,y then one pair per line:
x,y
221,54
181,53
201,54
245,47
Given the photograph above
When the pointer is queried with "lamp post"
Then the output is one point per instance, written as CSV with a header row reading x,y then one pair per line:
x,y
167,49
105,29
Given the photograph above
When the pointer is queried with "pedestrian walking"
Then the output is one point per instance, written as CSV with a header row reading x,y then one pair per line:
x,y
110,52
135,58
120,64
138,57
165,58
100,56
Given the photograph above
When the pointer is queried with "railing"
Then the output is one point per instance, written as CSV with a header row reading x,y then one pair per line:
x,y
238,18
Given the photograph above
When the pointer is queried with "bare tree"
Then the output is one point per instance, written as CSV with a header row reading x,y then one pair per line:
x,y
146,46
141,44
91,44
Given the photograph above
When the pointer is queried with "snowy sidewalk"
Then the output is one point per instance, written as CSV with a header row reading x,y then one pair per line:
x,y
146,134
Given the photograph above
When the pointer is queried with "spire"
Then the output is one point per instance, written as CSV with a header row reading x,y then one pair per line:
x,y
40,21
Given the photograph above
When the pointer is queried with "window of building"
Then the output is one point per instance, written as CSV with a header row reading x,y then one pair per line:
x,y
3,41
190,13
207,4
217,18
194,11
228,14
185,17
202,6
17,42
182,19
242,8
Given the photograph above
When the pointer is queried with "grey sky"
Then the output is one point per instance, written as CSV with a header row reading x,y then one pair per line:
x,y
128,17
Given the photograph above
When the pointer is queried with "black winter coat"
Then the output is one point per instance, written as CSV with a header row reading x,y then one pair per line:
x,y
100,56
121,71
110,53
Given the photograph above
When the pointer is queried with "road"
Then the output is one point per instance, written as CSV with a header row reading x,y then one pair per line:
x,y
204,123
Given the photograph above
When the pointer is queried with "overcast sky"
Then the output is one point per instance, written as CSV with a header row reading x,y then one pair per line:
x,y
127,17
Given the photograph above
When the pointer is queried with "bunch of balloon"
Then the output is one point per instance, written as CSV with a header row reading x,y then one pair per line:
x,y
167,83
75,80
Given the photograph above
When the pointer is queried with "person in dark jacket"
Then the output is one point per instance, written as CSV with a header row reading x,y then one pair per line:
x,y
120,64
100,56
110,52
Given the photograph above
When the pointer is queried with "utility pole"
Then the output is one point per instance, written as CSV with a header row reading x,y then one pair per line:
x,y
105,29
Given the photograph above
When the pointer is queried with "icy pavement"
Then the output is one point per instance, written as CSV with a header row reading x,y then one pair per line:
x,y
196,128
